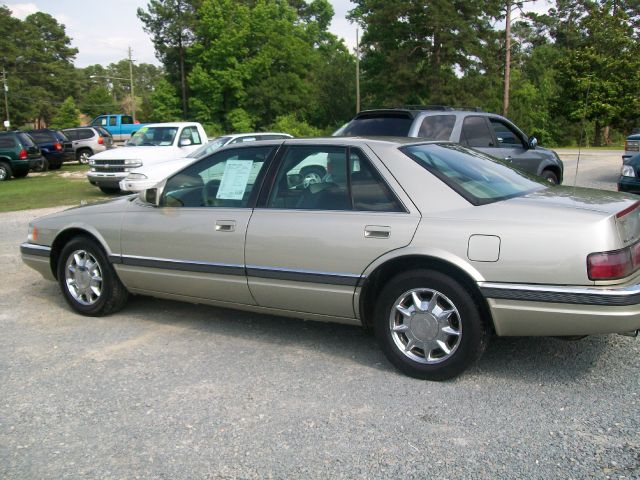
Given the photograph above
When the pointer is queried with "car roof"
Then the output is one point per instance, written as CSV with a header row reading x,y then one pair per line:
x,y
342,141
171,124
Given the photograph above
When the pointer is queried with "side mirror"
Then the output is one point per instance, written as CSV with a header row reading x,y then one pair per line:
x,y
533,143
150,196
185,142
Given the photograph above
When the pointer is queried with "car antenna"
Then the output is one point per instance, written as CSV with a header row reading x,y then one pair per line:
x,y
582,130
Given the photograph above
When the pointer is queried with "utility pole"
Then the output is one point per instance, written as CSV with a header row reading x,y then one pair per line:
x,y
133,98
7,123
357,72
507,62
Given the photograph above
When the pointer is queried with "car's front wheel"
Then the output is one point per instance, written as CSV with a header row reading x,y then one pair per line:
x,y
429,326
83,156
550,176
87,279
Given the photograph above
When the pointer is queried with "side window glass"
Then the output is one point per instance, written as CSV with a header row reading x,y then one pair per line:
x,y
126,120
191,133
112,121
7,142
312,178
243,140
84,134
507,138
72,134
437,127
368,189
476,133
226,179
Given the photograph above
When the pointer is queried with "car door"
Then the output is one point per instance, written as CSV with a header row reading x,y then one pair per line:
x,y
309,241
189,140
192,244
510,146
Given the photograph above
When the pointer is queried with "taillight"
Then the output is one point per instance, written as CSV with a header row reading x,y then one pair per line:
x,y
610,265
58,146
23,154
627,210
100,140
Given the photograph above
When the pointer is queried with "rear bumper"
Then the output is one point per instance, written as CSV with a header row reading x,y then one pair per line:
x,y
629,184
542,310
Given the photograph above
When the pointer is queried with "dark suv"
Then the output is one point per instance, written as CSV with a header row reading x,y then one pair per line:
x,y
55,145
18,155
486,132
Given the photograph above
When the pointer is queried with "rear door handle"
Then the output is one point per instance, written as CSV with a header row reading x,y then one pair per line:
x,y
225,225
377,231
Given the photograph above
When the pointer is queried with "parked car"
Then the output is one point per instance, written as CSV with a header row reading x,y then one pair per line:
x,y
432,244
147,176
629,180
87,141
631,146
486,132
121,127
18,154
55,146
152,144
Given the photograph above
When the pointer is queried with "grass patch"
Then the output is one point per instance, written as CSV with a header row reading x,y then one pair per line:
x,y
67,186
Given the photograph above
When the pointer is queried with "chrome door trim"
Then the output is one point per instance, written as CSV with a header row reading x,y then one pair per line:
x,y
187,266
33,249
294,275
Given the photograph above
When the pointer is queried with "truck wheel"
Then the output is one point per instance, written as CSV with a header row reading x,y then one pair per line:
x,y
5,172
110,190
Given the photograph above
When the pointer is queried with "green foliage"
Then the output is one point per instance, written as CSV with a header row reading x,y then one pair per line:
x,y
97,102
68,115
292,125
164,103
240,121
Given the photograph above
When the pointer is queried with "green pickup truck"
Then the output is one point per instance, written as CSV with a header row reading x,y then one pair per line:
x,y
18,154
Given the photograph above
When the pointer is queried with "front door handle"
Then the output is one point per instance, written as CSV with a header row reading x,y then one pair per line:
x,y
377,231
225,225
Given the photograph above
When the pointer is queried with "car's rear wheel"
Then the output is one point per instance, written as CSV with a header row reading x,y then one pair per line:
x,y
83,156
429,326
550,176
55,166
5,171
87,279
110,190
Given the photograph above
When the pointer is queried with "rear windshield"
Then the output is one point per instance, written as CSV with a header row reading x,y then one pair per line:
x,y
42,137
103,131
380,125
477,177
210,147
61,136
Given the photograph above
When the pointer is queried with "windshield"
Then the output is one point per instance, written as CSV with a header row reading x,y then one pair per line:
x,y
479,178
153,136
210,147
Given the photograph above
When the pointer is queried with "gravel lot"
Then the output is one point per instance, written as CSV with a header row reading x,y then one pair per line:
x,y
170,390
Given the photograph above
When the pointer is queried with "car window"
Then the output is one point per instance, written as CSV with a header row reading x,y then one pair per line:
x,y
368,189
272,137
243,140
103,132
84,134
72,134
100,121
26,140
479,178
126,120
437,127
476,133
191,133
209,148
153,136
225,179
113,121
60,135
7,141
42,137
506,136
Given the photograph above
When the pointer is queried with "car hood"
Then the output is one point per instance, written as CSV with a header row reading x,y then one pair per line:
x,y
145,153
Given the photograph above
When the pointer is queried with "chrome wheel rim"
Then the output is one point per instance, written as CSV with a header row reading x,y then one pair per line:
x,y
83,277
425,326
84,158
3,173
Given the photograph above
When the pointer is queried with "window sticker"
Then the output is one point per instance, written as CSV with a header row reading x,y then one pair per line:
x,y
234,180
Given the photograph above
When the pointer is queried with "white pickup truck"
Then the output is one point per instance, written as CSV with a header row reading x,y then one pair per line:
x,y
153,143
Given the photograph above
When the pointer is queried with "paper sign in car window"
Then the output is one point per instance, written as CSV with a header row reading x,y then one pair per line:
x,y
234,180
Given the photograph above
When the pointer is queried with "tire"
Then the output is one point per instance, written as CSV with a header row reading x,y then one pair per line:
x,y
87,279
550,176
56,166
21,174
110,190
41,166
462,333
5,171
83,156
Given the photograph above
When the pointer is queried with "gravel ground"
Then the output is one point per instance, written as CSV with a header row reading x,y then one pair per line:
x,y
170,390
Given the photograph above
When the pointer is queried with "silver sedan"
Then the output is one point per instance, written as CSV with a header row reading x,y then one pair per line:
x,y
434,246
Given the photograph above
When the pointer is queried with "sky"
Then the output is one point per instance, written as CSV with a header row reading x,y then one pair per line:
x,y
102,31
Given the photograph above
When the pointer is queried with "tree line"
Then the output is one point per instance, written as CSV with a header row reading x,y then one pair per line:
x,y
240,65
